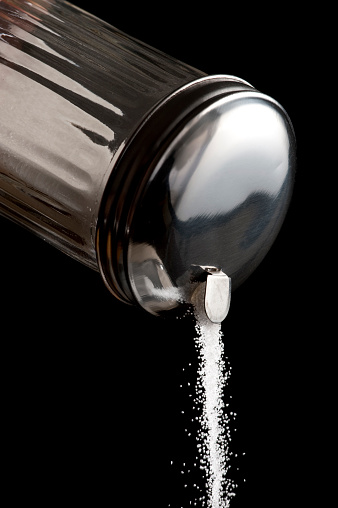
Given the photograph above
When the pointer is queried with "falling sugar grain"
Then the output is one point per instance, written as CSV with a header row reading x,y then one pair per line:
x,y
213,437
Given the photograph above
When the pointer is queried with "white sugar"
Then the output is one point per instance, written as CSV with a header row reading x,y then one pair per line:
x,y
214,432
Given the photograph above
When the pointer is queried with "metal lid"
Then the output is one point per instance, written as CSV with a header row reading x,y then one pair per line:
x,y
206,181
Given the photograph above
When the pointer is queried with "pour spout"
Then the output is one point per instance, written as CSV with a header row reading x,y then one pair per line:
x,y
217,294
214,292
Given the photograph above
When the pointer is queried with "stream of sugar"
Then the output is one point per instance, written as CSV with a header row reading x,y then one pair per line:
x,y
214,433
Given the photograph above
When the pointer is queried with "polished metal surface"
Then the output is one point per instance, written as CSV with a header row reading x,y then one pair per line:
x,y
126,188
217,196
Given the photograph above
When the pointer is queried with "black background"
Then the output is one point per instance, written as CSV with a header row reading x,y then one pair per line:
x,y
91,400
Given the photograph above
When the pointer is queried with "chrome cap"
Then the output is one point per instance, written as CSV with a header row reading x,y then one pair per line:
x,y
214,193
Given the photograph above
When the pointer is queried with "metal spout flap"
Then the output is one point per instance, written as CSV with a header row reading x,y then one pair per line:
x,y
217,294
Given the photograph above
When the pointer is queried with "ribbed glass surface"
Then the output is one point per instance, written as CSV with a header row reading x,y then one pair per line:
x,y
73,89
